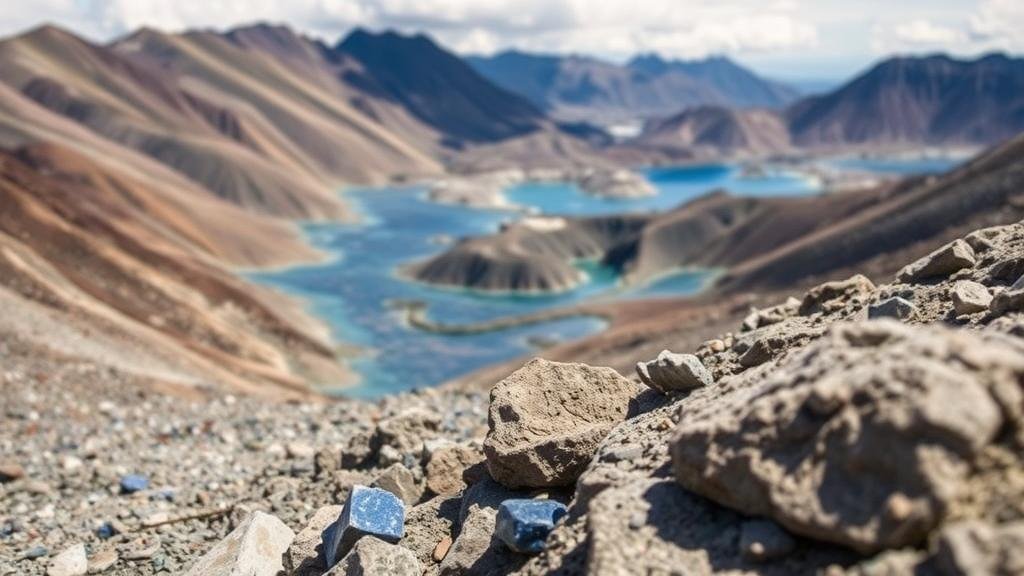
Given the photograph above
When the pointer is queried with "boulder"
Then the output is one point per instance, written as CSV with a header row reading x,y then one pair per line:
x,y
547,418
400,481
524,524
652,526
671,372
446,467
374,557
951,258
834,295
367,512
864,438
306,553
970,297
71,562
896,308
255,548
1009,300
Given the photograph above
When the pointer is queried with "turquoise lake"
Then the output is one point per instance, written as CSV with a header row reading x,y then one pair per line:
x,y
354,291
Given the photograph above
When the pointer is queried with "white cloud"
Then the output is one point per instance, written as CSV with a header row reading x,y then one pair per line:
x,y
925,32
999,24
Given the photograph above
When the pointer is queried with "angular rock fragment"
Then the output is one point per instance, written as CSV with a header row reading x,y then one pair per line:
x,y
895,307
970,297
446,467
132,483
400,481
1009,300
102,561
524,524
833,295
10,471
546,419
368,511
476,551
671,372
306,553
71,562
428,524
255,548
864,438
406,431
951,258
374,557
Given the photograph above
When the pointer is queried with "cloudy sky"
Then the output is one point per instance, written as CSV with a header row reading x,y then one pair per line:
x,y
785,38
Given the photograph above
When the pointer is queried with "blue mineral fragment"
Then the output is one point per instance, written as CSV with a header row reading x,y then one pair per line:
x,y
132,483
368,511
523,524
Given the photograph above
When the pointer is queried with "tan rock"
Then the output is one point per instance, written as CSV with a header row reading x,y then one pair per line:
x,y
255,548
446,466
547,418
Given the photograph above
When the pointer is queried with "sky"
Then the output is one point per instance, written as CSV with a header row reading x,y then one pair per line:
x,y
788,39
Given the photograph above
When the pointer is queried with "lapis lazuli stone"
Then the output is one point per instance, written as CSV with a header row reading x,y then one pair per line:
x,y
523,524
368,511
132,483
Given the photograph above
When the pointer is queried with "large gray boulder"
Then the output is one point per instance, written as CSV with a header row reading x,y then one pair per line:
x,y
865,438
547,418
255,548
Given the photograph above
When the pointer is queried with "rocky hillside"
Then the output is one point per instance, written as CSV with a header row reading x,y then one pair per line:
x,y
99,265
761,243
855,429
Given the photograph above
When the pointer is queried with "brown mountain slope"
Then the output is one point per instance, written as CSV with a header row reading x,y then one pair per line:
x,y
709,130
85,248
223,230
216,145
309,121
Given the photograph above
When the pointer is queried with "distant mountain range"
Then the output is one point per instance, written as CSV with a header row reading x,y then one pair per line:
x,y
584,88
934,100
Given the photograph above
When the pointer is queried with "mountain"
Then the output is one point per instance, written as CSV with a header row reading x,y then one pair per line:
x,y
575,88
437,87
933,100
741,87
709,130
106,269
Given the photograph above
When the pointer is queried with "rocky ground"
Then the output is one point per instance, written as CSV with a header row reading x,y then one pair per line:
x,y
857,428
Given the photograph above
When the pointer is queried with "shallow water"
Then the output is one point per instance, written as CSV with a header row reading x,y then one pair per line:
x,y
354,292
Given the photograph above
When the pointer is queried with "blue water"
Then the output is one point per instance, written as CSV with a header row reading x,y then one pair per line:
x,y
675,186
354,291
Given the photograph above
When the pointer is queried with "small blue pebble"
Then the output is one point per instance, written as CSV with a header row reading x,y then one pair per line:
x,y
36,552
106,531
368,511
523,524
132,483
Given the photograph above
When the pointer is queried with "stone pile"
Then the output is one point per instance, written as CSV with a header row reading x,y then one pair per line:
x,y
861,429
